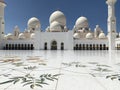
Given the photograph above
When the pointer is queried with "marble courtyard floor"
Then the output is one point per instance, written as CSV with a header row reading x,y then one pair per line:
x,y
59,70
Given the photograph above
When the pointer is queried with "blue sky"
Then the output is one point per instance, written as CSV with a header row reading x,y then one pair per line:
x,y
18,12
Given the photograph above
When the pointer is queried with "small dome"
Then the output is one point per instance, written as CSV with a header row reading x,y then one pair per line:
x,y
34,23
32,36
21,36
55,27
102,35
81,22
59,17
76,35
5,36
89,36
9,36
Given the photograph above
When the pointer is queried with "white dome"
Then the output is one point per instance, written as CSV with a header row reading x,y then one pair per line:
x,y
21,36
76,35
59,17
55,27
9,36
102,35
32,36
33,23
5,36
81,22
89,35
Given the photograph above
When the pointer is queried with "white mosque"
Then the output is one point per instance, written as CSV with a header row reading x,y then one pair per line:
x,y
58,37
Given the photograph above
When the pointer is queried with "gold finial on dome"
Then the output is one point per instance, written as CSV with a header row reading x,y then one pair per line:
x,y
58,9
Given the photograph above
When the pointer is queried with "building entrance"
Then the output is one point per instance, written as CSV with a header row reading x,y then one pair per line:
x,y
54,45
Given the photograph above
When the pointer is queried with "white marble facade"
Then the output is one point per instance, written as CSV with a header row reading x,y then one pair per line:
x,y
57,36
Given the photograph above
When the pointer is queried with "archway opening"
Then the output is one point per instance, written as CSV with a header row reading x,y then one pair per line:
x,y
83,46
100,46
15,46
54,45
45,46
76,46
104,47
25,46
87,48
97,47
18,47
12,46
9,46
79,46
22,47
28,46
6,47
32,47
93,46
62,46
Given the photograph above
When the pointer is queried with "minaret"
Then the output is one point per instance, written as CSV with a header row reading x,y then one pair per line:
x,y
2,22
111,23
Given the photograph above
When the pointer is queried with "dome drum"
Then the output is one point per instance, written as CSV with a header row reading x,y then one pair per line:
x,y
9,36
55,27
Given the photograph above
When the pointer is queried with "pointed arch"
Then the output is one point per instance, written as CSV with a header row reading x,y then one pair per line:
x,y
54,45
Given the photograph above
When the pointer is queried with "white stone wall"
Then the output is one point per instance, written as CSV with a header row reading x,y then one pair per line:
x,y
91,41
59,37
117,42
17,42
